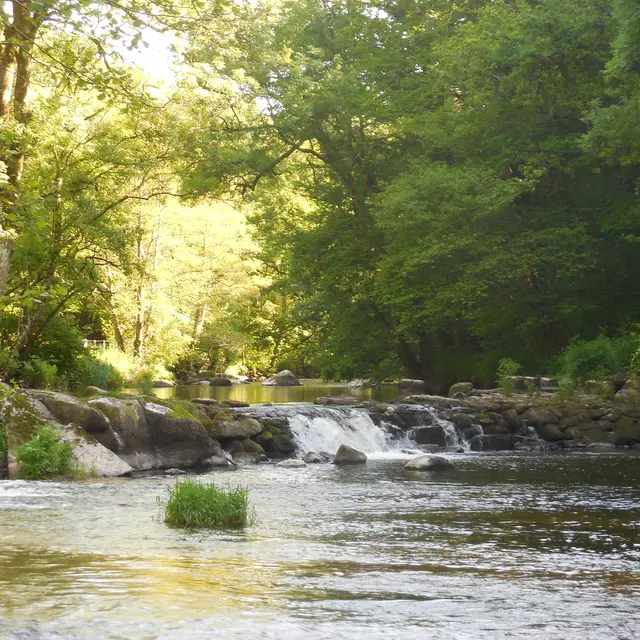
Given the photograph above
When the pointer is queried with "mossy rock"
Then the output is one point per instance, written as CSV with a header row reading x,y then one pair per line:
x,y
18,416
627,432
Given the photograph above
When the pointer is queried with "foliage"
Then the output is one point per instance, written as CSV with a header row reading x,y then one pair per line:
x,y
40,374
45,456
566,387
507,368
195,504
4,444
144,382
598,358
91,371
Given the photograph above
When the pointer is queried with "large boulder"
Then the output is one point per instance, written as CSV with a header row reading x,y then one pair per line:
x,y
92,455
179,439
429,463
282,379
349,455
539,416
630,392
429,435
128,421
408,386
460,387
67,409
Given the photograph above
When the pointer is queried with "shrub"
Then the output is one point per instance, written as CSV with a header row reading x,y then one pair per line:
x,y
193,504
566,387
596,359
507,368
144,382
40,374
45,456
91,371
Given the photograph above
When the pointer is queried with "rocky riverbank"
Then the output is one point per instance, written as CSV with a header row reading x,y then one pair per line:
x,y
121,435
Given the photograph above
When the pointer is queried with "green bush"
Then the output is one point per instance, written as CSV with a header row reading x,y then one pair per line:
x,y
44,456
144,382
507,368
596,359
40,374
193,504
89,371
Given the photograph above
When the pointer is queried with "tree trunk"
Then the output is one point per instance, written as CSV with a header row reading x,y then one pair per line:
x,y
6,251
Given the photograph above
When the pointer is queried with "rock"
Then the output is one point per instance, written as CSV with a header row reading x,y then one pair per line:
x,y
237,428
339,400
471,432
550,432
313,458
599,388
512,418
410,417
175,472
460,387
349,455
202,383
407,386
92,455
627,432
292,463
129,424
587,433
67,409
249,446
461,420
630,392
601,445
219,381
94,391
539,416
217,461
179,441
282,379
162,384
283,444
357,384
429,435
429,463
206,401
235,404
618,380
494,442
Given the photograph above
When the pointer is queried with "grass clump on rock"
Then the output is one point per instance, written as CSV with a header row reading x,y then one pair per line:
x,y
194,504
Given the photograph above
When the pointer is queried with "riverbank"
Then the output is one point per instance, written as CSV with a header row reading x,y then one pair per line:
x,y
116,436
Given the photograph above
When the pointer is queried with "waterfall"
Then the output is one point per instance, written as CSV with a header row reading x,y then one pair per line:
x,y
325,428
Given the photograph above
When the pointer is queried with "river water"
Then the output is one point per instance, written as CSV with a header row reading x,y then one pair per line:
x,y
509,545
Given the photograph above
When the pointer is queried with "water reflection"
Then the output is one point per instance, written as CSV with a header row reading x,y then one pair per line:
x,y
255,393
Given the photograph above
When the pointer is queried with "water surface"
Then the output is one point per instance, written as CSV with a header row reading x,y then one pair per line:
x,y
507,546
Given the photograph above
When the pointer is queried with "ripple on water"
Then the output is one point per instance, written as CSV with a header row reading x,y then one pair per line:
x,y
505,546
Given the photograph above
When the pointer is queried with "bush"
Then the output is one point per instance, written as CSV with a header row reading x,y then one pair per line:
x,y
596,359
90,371
507,368
193,504
144,382
40,374
44,456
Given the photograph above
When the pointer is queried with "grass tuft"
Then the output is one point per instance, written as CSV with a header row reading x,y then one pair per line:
x,y
194,504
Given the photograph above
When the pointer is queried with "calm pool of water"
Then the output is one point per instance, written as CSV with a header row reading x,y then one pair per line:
x,y
255,393
506,546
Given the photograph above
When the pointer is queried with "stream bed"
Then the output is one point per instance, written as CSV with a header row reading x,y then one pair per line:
x,y
510,545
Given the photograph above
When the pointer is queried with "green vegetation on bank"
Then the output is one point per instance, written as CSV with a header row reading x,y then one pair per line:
x,y
45,456
195,504
361,189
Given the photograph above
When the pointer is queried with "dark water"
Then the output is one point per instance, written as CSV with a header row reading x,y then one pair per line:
x,y
255,393
506,546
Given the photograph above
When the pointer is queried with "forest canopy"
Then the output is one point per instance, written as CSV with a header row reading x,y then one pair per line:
x,y
346,188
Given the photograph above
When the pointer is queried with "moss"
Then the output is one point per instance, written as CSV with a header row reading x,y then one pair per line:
x,y
20,418
181,409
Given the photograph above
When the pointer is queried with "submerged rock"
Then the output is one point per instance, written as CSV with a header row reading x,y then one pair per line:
x,y
313,458
429,463
219,381
292,463
175,472
282,379
349,455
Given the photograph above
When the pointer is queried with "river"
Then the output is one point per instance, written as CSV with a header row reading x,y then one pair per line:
x,y
509,545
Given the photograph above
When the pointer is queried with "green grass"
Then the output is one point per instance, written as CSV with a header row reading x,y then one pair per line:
x,y
194,504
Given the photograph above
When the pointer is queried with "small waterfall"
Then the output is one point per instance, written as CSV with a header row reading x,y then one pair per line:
x,y
325,428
